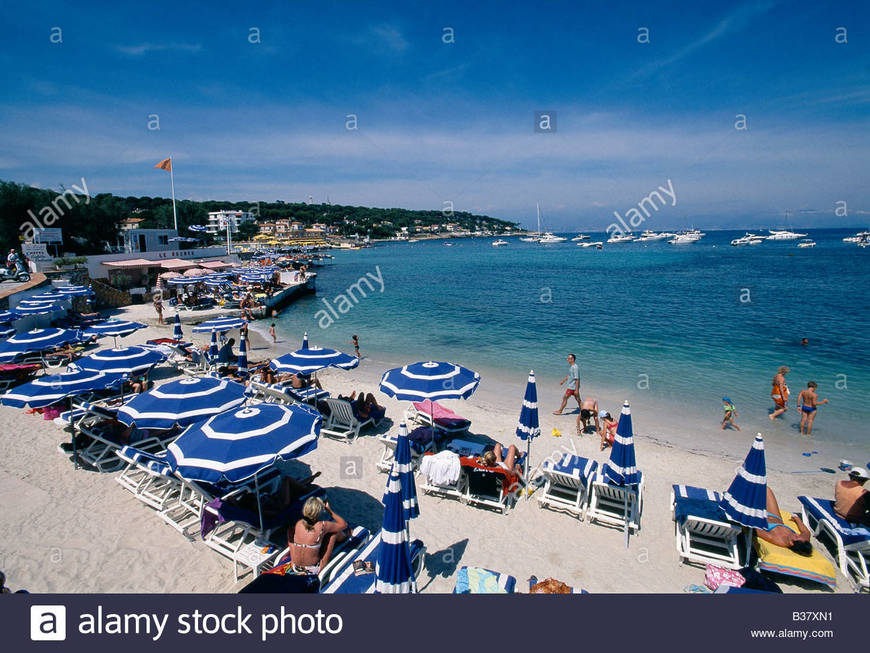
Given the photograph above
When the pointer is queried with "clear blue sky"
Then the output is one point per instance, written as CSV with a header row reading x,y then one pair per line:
x,y
451,121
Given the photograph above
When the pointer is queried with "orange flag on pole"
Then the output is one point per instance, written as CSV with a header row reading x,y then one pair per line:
x,y
166,164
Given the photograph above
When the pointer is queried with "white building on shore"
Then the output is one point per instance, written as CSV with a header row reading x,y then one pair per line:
x,y
217,220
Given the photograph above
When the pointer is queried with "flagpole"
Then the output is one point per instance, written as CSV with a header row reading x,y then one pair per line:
x,y
172,182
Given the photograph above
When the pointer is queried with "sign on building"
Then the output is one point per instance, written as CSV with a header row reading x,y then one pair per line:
x,y
47,236
36,252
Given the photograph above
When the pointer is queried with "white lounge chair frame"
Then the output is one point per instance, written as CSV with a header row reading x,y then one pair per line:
x,y
704,540
564,491
852,559
607,503
341,423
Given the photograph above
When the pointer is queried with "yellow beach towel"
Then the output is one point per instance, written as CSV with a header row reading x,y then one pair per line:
x,y
780,560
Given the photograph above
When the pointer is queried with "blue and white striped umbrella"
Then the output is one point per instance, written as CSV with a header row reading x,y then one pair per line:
x,y
621,469
182,403
310,359
36,340
186,281
220,324
429,380
47,390
8,316
213,351
46,297
236,445
746,499
393,572
198,228
403,467
37,308
113,328
6,332
177,333
74,291
243,356
121,360
528,426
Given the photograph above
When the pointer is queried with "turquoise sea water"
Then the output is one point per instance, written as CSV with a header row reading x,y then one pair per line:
x,y
683,324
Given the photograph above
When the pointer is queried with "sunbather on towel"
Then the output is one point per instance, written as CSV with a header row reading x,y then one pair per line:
x,y
495,458
782,535
366,406
311,539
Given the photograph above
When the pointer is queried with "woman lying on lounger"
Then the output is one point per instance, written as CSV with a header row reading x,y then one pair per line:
x,y
781,534
365,406
311,539
494,458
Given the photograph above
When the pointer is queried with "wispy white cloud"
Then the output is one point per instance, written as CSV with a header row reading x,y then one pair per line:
x,y
388,36
733,22
147,48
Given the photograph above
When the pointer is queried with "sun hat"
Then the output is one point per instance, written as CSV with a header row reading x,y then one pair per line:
x,y
858,472
726,399
603,413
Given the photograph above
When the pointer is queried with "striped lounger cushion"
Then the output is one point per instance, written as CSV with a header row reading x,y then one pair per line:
x,y
824,509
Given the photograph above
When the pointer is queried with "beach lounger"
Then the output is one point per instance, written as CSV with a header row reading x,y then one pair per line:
x,y
851,542
345,581
442,474
389,451
494,487
268,393
100,427
779,560
477,580
342,551
307,395
342,423
703,532
446,420
607,503
13,374
566,483
148,477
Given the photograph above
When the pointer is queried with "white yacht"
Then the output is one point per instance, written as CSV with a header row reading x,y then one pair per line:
x,y
499,243
648,236
579,237
530,239
784,234
747,239
686,237
860,237
620,238
597,244
547,237
807,242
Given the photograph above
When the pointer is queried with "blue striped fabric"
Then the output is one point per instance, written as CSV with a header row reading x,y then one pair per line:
x,y
234,446
186,281
696,493
47,390
113,328
477,580
745,501
393,573
528,426
346,582
429,380
220,324
36,340
403,467
153,462
823,509
121,360
310,359
177,333
181,403
621,469
37,308
572,465
213,351
75,291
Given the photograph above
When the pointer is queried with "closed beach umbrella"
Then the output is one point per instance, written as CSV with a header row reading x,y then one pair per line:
x,y
36,340
235,446
745,501
243,356
182,402
403,467
528,426
50,389
177,333
310,359
621,469
220,324
121,360
393,573
213,347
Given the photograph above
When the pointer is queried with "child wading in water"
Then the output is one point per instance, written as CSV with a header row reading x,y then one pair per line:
x,y
730,414
272,333
808,400
355,342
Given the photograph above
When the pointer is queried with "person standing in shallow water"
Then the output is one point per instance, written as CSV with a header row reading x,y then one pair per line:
x,y
779,393
573,387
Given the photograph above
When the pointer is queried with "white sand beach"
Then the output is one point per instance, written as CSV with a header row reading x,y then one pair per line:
x,y
67,530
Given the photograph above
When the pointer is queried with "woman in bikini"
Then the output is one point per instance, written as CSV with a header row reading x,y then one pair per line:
x,y
496,458
312,540
608,433
781,534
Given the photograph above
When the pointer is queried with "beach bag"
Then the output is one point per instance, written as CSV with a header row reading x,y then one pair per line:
x,y
716,576
51,412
